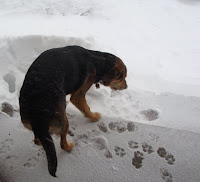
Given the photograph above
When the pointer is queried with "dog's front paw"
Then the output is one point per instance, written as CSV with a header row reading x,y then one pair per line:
x,y
67,147
70,146
95,116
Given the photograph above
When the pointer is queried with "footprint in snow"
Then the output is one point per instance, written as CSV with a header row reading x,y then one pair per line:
x,y
11,158
100,143
132,144
164,154
150,114
12,161
7,108
108,154
102,127
147,148
118,127
93,137
33,161
130,126
85,137
137,160
5,146
166,175
120,151
154,138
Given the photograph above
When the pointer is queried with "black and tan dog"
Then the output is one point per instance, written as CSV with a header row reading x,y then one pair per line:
x,y
55,74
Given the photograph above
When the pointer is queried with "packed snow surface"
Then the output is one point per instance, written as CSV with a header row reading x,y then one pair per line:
x,y
158,41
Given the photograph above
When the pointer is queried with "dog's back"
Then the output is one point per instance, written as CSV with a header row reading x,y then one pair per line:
x,y
54,74
44,91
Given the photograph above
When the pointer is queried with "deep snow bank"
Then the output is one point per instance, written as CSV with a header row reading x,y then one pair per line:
x,y
158,40
17,54
168,110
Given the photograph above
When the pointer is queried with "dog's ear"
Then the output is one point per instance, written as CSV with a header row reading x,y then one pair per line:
x,y
118,73
121,75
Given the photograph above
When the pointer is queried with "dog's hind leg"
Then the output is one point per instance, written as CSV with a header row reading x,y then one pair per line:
x,y
37,141
68,146
27,125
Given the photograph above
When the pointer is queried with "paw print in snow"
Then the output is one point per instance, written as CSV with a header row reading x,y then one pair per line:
x,y
133,144
147,148
100,143
166,175
102,127
164,154
31,162
120,151
137,160
108,154
154,137
170,159
119,127
6,146
130,126
150,114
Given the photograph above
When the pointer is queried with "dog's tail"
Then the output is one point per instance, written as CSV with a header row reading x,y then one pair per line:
x,y
47,142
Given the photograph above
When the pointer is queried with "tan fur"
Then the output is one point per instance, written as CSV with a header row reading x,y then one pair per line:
x,y
78,99
59,125
119,68
42,96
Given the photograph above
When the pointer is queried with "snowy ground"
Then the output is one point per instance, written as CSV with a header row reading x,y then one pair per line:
x,y
160,44
111,150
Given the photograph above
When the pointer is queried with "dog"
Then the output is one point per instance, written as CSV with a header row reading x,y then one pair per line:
x,y
53,75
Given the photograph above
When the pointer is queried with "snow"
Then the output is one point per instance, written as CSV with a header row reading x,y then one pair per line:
x,y
160,44
105,151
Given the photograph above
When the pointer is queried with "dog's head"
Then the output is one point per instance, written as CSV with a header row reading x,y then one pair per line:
x,y
115,79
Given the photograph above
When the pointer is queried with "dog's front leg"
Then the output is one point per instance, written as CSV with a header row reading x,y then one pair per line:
x,y
78,99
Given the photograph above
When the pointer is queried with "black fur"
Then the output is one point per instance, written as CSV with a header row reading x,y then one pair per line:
x,y
53,75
